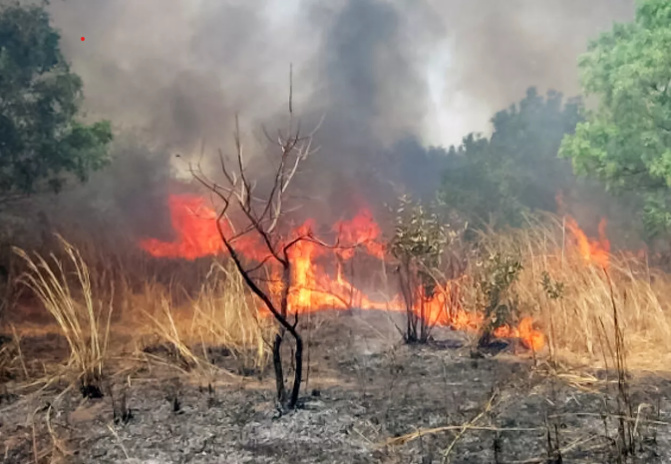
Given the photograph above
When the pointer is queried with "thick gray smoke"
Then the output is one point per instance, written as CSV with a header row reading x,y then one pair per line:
x,y
388,75
181,69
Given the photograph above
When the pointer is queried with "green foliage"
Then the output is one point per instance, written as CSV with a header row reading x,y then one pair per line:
x,y
418,243
41,142
553,289
626,141
499,271
496,181
419,239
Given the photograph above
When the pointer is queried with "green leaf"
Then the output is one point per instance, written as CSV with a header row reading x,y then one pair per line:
x,y
42,144
626,141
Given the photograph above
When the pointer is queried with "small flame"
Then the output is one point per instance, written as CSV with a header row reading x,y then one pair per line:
x,y
531,338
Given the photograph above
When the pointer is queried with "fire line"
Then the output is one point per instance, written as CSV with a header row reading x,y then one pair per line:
x,y
313,288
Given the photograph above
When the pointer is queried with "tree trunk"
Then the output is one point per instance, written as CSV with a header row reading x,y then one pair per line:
x,y
279,374
298,372
424,327
291,402
405,282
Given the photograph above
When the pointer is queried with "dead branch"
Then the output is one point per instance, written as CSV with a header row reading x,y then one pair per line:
x,y
243,212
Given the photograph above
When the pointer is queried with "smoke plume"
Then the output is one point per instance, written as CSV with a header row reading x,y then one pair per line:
x,y
389,76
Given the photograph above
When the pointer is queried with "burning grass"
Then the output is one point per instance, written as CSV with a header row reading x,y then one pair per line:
x,y
564,284
561,287
315,287
560,295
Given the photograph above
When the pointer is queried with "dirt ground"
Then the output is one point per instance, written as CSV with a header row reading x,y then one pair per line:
x,y
369,399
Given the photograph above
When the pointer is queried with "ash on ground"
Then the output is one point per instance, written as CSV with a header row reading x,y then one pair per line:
x,y
367,398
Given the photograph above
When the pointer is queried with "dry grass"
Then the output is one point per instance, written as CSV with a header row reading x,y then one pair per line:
x,y
222,315
575,319
225,315
77,311
193,322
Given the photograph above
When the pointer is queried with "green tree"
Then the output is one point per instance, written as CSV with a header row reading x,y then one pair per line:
x,y
42,144
626,141
494,181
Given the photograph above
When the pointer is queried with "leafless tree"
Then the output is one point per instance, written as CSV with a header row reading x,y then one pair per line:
x,y
250,213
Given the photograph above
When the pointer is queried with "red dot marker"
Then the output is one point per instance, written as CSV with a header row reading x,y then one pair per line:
x,y
83,39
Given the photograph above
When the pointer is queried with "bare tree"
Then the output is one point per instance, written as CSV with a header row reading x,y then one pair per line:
x,y
250,213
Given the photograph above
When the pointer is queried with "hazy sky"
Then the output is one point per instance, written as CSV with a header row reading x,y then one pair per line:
x,y
179,69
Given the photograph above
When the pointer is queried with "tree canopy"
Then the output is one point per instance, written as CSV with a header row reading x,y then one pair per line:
x,y
42,143
626,141
494,181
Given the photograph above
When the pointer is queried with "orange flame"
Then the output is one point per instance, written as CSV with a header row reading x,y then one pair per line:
x,y
361,230
530,337
195,229
312,287
595,252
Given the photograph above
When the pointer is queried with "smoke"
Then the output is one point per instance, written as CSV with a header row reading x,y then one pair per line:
x,y
499,49
385,74
181,69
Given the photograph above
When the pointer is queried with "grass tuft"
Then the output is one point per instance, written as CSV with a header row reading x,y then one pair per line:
x,y
221,318
64,288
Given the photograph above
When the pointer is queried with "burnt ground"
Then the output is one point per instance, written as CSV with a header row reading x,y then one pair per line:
x,y
366,393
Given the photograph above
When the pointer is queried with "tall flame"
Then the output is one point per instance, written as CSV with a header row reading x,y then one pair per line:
x,y
312,287
595,252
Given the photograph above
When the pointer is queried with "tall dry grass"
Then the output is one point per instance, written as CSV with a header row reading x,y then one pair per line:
x,y
195,308
225,314
580,314
64,288
222,315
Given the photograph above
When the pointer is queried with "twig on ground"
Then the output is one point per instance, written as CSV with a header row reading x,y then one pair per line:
x,y
402,440
470,425
612,416
118,439
562,451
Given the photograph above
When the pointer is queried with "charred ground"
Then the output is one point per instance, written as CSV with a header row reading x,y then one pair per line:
x,y
368,398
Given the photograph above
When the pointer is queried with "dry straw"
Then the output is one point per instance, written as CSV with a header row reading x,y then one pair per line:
x,y
573,319
222,315
64,288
